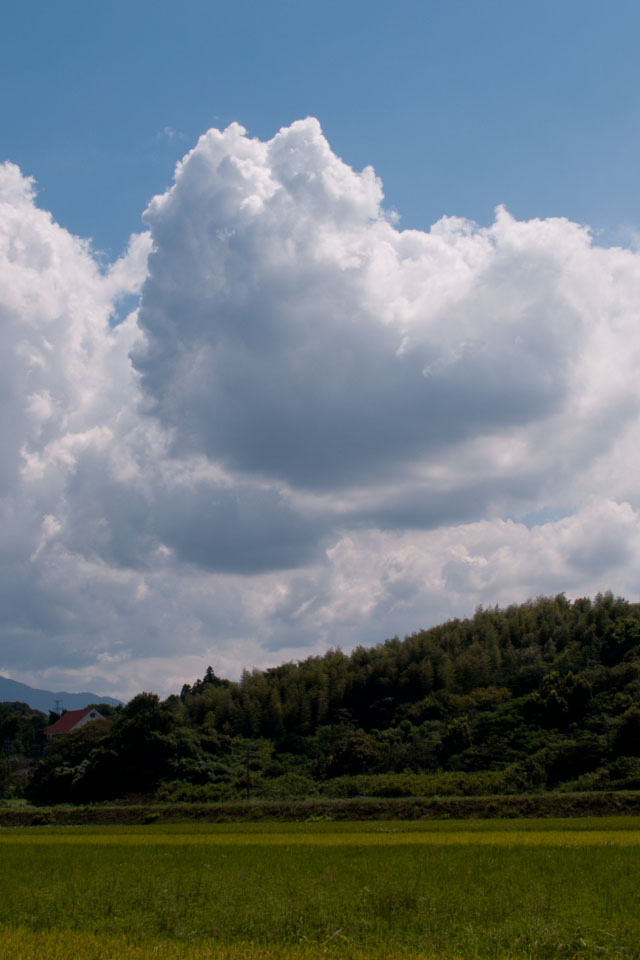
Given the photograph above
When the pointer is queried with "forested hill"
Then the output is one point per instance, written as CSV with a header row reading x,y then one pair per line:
x,y
557,652
528,697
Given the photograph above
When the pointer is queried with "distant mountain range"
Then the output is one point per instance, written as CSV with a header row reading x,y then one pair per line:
x,y
45,700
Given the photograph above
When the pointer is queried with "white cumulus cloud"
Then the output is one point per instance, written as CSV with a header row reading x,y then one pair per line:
x,y
312,428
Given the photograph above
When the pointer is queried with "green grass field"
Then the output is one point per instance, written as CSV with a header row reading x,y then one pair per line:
x,y
463,889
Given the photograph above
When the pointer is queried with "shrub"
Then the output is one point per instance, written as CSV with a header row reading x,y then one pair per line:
x,y
289,786
43,818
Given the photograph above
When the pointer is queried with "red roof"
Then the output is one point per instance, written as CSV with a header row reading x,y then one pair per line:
x,y
67,721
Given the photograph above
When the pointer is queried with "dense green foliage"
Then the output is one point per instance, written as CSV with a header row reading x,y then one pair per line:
x,y
532,697
21,729
448,890
21,742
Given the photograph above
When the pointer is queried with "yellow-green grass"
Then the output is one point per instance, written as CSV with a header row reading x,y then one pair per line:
x,y
466,889
23,944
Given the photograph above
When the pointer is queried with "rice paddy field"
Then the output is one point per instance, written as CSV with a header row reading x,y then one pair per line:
x,y
452,890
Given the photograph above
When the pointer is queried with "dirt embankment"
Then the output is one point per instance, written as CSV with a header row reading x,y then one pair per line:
x,y
362,808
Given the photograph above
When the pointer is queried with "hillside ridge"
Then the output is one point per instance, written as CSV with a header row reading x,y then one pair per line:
x,y
12,691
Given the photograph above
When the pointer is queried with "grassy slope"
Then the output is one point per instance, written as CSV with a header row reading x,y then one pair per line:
x,y
473,889
356,809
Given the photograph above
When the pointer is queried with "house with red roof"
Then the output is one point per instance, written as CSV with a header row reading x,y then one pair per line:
x,y
72,720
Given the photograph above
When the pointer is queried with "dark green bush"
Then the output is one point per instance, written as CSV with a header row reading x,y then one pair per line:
x,y
43,818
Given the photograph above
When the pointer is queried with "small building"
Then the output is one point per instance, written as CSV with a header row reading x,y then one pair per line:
x,y
72,720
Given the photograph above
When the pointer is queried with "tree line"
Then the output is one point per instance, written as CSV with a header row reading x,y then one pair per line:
x,y
536,696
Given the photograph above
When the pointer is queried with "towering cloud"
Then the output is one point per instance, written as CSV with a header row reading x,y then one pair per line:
x,y
314,428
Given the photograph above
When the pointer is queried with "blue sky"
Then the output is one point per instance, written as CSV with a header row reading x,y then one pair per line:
x,y
459,106
355,345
